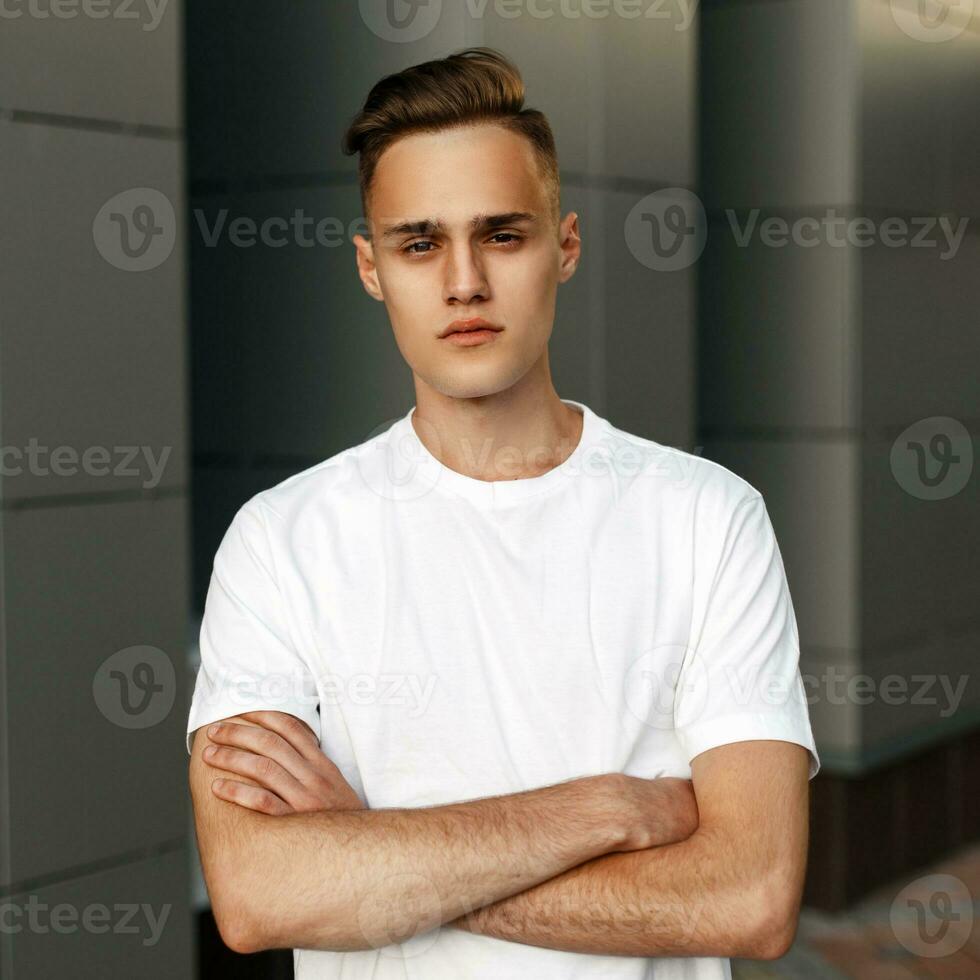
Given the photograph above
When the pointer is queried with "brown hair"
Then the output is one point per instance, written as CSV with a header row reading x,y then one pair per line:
x,y
474,85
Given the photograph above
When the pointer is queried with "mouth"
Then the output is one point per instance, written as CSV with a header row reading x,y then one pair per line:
x,y
471,338
469,332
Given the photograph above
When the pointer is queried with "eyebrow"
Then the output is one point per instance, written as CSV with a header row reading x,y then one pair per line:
x,y
480,222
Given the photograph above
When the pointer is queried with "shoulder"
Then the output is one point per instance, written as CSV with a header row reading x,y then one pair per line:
x,y
337,488
676,477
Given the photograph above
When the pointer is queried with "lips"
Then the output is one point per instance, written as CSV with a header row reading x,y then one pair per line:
x,y
470,338
469,325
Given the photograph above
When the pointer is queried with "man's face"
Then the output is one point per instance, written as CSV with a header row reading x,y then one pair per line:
x,y
505,270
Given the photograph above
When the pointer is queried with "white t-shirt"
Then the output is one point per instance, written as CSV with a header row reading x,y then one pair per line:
x,y
449,638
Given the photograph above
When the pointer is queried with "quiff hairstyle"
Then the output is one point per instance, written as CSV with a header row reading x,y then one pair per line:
x,y
476,85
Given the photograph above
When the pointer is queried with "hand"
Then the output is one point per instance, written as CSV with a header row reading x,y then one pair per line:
x,y
665,811
281,754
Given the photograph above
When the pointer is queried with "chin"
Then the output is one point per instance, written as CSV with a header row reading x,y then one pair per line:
x,y
472,381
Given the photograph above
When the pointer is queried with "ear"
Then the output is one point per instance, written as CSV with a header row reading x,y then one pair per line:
x,y
366,267
571,246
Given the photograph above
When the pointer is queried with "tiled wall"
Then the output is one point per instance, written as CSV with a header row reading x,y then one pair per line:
x,y
817,354
95,558
778,355
815,358
919,148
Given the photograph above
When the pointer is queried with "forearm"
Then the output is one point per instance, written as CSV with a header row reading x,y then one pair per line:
x,y
683,899
358,879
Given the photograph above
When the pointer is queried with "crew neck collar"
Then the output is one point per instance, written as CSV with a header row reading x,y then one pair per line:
x,y
494,492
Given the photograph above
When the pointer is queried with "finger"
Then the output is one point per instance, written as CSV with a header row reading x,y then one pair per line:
x,y
250,797
263,770
294,730
300,736
261,741
310,777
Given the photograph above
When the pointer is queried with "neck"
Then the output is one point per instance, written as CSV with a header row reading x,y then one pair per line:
x,y
519,433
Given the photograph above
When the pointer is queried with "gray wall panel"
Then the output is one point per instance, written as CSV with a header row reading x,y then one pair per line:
x,y
83,583
93,352
113,61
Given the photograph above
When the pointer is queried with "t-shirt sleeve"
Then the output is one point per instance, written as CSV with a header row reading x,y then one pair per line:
x,y
249,661
741,680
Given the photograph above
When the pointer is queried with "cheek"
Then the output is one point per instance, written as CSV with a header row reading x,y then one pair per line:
x,y
412,299
537,271
403,285
527,288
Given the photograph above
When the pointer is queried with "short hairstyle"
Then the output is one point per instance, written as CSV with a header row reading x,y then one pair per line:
x,y
472,86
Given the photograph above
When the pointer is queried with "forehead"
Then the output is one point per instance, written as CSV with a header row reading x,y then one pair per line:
x,y
456,173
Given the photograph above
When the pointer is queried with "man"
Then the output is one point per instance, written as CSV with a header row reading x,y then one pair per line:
x,y
505,691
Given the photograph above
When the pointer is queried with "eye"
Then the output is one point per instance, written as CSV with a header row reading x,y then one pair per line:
x,y
419,247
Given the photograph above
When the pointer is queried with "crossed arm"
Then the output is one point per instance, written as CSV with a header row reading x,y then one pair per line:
x,y
606,864
730,889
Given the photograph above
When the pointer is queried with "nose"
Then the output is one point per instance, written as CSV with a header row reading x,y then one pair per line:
x,y
466,280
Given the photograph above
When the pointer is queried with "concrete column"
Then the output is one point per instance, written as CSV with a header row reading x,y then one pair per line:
x,y
94,518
